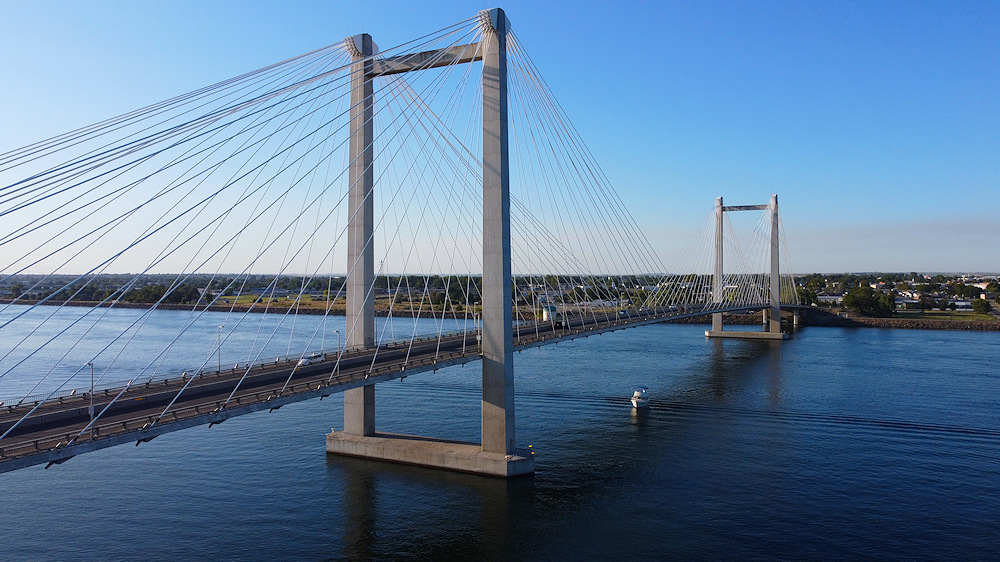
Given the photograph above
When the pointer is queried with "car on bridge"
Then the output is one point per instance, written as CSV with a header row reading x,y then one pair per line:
x,y
312,358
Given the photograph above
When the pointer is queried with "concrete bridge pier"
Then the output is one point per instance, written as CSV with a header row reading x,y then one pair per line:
x,y
496,455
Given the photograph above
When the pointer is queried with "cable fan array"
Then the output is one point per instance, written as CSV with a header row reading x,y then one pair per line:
x,y
210,230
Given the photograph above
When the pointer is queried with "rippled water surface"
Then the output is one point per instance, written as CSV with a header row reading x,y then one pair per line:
x,y
839,443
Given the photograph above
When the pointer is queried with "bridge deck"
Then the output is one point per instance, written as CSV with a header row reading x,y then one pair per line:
x,y
55,431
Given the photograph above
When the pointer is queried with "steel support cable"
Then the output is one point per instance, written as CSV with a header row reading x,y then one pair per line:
x,y
435,174
294,224
392,121
152,199
611,199
522,174
441,135
594,251
756,277
579,209
581,181
199,203
546,177
399,183
110,125
135,163
194,126
673,282
189,381
217,297
134,208
352,327
588,158
785,259
559,169
316,227
424,215
541,169
144,317
735,248
423,149
573,202
232,245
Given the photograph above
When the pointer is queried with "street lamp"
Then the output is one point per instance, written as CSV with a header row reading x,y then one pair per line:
x,y
339,353
90,410
218,347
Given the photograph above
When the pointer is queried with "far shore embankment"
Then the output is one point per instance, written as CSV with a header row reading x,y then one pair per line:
x,y
812,317
816,317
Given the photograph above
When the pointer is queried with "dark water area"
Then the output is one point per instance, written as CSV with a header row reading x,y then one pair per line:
x,y
837,444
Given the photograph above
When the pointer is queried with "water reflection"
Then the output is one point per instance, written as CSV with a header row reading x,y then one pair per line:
x,y
640,416
734,364
393,510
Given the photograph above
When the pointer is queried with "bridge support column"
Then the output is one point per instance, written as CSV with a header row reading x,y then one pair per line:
x,y
498,336
771,316
495,455
359,403
717,285
775,327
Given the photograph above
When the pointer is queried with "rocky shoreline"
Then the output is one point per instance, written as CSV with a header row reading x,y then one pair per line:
x,y
824,318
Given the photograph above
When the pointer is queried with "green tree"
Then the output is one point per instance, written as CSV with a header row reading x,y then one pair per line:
x,y
865,300
807,296
981,306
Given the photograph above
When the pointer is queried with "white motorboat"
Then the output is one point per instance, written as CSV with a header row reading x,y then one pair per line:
x,y
640,398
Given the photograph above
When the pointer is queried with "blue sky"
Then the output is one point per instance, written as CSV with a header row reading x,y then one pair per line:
x,y
877,123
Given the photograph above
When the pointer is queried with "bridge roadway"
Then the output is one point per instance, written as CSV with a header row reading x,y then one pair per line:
x,y
57,430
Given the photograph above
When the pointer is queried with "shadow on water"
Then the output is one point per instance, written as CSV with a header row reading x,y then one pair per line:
x,y
734,365
393,510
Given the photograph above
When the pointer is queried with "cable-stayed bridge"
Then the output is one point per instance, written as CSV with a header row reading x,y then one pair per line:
x,y
193,260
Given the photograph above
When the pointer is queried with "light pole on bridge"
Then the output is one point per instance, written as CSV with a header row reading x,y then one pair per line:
x,y
90,410
218,347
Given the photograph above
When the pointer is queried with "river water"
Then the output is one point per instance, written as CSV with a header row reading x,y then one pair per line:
x,y
839,443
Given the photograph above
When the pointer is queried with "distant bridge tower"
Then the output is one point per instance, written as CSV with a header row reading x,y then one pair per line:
x,y
496,455
773,312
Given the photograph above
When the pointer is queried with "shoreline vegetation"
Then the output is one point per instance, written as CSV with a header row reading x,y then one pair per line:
x,y
928,320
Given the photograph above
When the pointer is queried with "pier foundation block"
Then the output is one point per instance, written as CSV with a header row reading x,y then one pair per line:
x,y
430,452
746,335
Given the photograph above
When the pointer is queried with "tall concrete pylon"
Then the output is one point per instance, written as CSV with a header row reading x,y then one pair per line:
x,y
496,454
359,403
498,334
